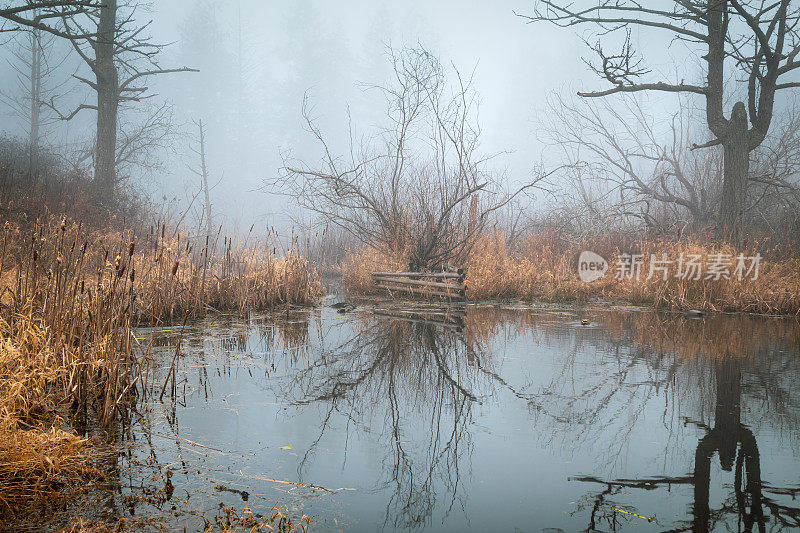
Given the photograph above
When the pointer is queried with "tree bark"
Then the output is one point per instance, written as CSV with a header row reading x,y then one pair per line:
x,y
204,172
36,99
735,174
107,103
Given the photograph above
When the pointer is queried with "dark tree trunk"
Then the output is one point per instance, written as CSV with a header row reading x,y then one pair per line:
x,y
735,174
107,103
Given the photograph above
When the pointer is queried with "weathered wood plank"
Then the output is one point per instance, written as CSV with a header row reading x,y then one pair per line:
x,y
440,275
454,295
422,283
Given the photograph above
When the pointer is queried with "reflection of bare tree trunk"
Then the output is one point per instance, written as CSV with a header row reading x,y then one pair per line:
x,y
413,365
726,436
752,467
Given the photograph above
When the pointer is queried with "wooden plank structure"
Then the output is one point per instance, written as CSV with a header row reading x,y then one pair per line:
x,y
448,284
448,317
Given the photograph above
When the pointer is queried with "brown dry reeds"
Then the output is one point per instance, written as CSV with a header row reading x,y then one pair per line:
x,y
357,267
36,464
70,298
544,267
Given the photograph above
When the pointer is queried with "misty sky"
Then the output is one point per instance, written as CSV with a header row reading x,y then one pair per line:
x,y
258,58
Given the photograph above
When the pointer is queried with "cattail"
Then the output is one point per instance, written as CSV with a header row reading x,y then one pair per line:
x,y
64,224
175,268
131,248
117,262
133,275
35,256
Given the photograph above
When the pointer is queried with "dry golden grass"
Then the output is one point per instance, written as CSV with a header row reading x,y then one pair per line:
x,y
544,268
37,464
357,267
70,298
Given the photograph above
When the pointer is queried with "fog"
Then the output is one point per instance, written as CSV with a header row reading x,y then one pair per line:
x,y
258,59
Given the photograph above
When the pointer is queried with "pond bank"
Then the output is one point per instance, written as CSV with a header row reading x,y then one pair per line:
x,y
409,415
663,274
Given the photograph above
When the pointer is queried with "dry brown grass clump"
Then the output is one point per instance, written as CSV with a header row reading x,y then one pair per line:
x,y
544,267
177,279
229,520
123,525
357,267
40,462
40,465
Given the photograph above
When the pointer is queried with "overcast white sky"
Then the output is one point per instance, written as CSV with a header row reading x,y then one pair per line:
x,y
325,47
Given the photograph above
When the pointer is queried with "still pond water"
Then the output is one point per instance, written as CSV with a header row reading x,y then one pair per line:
x,y
400,416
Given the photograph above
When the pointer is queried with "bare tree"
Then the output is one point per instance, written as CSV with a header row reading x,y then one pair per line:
x,y
202,171
624,168
418,184
42,15
121,56
36,65
637,170
760,40
142,139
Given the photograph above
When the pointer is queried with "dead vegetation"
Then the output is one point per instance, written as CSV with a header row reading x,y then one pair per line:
x,y
226,520
70,298
230,520
544,267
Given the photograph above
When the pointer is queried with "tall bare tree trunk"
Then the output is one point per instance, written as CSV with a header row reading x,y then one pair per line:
x,y
36,99
107,103
204,174
736,169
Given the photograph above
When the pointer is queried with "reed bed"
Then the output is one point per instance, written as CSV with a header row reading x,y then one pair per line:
x,y
358,266
70,299
544,267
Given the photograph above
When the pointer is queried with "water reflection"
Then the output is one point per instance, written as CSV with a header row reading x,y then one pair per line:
x,y
729,344
732,441
477,418
403,368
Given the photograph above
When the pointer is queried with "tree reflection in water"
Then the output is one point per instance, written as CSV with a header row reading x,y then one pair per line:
x,y
423,370
728,348
418,368
412,378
